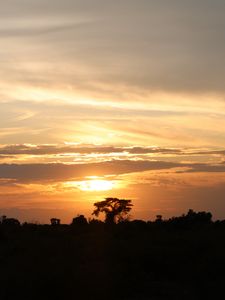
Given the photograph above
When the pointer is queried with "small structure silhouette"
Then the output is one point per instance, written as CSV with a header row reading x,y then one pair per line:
x,y
55,221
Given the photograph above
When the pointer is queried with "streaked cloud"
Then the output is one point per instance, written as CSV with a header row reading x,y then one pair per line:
x,y
17,149
63,172
147,44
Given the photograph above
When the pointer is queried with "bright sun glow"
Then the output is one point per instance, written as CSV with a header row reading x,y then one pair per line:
x,y
96,185
92,185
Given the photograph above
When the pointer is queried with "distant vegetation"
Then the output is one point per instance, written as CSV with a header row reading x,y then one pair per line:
x,y
179,258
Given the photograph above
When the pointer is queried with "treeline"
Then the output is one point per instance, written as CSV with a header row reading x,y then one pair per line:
x,y
116,212
189,220
115,259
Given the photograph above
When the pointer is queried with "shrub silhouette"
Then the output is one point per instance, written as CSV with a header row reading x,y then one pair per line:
x,y
115,210
79,221
191,219
158,219
10,221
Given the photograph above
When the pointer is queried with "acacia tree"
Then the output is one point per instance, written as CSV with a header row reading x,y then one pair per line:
x,y
115,209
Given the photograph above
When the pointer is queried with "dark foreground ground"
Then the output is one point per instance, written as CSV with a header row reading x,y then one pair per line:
x,y
132,260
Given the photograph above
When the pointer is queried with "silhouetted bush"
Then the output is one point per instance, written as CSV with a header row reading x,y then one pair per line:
x,y
80,221
10,222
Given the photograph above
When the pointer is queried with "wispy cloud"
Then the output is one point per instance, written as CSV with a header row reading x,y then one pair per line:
x,y
68,153
17,149
153,46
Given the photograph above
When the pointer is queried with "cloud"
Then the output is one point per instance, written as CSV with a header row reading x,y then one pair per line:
x,y
24,149
206,168
13,150
70,153
210,152
94,70
150,45
63,172
55,172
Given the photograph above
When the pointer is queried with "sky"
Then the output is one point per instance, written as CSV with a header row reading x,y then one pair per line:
x,y
115,98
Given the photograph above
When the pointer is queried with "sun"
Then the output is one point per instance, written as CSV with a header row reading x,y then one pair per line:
x,y
92,184
96,185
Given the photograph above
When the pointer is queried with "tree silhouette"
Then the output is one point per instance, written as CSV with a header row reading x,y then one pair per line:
x,y
115,209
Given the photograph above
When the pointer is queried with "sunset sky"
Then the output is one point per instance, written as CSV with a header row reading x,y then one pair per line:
x,y
115,98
